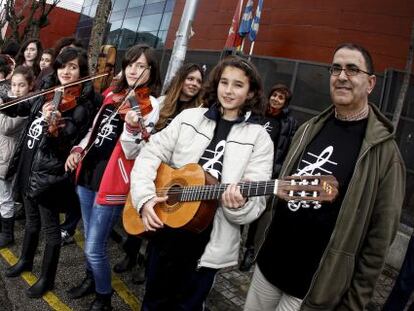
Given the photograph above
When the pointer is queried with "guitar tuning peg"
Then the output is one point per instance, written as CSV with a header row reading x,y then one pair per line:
x,y
314,194
315,182
305,182
316,204
293,205
302,193
304,204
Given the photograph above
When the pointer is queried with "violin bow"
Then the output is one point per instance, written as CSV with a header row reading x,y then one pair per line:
x,y
50,90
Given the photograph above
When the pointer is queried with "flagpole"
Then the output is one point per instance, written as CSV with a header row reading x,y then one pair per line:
x,y
181,42
242,44
251,49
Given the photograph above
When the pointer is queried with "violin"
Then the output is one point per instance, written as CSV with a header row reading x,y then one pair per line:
x,y
141,96
49,91
64,99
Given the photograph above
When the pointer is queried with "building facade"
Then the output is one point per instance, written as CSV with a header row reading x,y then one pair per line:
x,y
130,22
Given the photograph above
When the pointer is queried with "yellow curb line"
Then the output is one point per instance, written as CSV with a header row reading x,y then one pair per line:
x,y
54,302
118,285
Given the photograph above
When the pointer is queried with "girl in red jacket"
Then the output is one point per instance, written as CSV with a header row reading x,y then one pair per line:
x,y
103,165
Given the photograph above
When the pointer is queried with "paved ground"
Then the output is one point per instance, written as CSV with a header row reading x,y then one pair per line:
x,y
228,294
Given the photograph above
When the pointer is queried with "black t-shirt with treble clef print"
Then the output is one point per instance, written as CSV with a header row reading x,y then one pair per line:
x,y
301,230
94,164
212,158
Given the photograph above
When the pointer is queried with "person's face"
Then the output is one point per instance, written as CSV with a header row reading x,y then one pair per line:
x,y
136,69
70,72
191,85
277,100
45,61
233,91
19,85
30,52
350,93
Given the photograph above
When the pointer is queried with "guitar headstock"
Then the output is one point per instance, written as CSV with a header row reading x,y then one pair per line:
x,y
323,188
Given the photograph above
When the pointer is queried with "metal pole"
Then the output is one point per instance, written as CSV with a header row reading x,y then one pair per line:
x,y
181,41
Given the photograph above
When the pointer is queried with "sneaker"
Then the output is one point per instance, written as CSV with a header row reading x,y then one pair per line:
x,y
66,237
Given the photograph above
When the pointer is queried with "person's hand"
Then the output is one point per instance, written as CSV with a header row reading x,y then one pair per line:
x,y
72,161
47,110
149,218
131,118
232,197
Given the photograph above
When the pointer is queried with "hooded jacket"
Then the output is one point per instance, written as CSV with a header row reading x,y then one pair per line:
x,y
367,222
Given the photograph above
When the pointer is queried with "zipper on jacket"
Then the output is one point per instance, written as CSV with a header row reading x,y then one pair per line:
x,y
273,200
334,232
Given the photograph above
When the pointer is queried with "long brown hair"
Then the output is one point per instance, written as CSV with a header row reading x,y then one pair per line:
x,y
174,90
20,59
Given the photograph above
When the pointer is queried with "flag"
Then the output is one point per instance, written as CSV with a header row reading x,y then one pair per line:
x,y
246,19
255,24
233,38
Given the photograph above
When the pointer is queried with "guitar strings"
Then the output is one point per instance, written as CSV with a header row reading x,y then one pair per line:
x,y
203,189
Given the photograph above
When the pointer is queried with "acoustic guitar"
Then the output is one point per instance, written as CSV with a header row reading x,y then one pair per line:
x,y
193,196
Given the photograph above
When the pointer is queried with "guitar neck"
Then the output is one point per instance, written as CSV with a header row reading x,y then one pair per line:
x,y
214,192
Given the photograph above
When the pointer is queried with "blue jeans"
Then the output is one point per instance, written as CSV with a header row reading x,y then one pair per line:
x,y
98,221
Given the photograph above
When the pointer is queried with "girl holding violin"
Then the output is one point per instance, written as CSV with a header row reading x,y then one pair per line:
x,y
104,159
29,55
182,93
10,128
54,126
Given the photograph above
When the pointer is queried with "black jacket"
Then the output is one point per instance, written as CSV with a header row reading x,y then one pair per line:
x,y
47,167
281,129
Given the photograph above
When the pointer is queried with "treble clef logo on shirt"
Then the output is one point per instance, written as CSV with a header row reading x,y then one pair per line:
x,y
218,152
107,129
34,132
309,169
321,159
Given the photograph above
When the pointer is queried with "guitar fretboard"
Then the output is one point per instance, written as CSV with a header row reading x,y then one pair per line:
x,y
214,192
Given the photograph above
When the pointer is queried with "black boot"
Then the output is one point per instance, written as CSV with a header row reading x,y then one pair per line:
x,y
86,287
126,264
102,302
46,280
25,263
7,231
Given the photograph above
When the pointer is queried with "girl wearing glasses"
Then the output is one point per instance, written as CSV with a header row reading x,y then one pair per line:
x,y
103,165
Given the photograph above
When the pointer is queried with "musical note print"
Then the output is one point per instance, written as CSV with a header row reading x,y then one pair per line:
x,y
35,131
109,126
316,168
214,163
268,127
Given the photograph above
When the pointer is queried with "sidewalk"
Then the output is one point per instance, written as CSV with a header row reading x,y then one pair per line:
x,y
231,288
228,294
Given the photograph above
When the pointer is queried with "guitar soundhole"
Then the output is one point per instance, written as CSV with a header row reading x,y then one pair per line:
x,y
173,195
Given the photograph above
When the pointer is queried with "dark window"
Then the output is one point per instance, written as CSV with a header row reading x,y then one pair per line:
x,y
165,23
134,12
118,15
150,23
170,6
154,8
120,5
